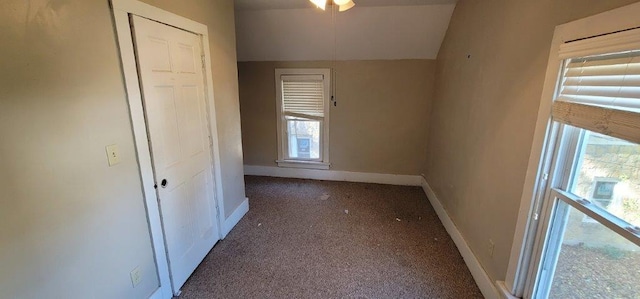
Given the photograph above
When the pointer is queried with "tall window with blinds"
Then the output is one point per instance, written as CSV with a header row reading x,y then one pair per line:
x,y
303,110
592,195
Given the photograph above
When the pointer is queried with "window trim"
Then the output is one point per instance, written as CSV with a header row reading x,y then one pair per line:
x,y
518,271
283,159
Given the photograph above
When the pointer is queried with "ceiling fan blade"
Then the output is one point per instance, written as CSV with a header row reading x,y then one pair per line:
x,y
319,3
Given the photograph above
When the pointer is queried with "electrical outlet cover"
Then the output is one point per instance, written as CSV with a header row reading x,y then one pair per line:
x,y
136,276
492,246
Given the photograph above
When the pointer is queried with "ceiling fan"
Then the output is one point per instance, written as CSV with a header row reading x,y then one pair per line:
x,y
342,4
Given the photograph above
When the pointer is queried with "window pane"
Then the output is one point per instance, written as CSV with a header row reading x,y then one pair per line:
x,y
608,175
594,262
304,139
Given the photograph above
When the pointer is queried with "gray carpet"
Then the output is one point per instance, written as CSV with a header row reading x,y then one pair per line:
x,y
363,241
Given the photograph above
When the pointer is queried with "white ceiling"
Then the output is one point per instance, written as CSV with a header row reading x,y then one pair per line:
x,y
287,4
364,33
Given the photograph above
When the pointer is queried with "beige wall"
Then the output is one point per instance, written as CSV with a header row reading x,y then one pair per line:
x,y
378,126
70,226
489,79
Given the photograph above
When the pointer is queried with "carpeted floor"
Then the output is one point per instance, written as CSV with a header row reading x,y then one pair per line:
x,y
363,241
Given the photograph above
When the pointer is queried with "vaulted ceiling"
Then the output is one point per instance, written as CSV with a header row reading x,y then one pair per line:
x,y
295,30
288,4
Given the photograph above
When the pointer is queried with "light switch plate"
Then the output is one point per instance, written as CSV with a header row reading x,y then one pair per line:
x,y
113,154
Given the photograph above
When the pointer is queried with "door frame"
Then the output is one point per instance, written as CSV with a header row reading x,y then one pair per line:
x,y
122,9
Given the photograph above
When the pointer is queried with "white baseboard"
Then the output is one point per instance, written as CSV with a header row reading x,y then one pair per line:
x,y
157,294
483,281
504,293
334,175
235,217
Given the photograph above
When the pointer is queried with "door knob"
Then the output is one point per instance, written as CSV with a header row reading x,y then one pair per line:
x,y
163,183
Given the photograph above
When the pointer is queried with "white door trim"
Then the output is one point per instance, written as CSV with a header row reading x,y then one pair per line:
x,y
121,11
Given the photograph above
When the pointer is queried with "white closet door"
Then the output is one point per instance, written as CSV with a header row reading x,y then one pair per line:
x,y
171,75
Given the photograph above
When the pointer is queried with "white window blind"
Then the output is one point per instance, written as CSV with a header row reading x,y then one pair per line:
x,y
303,96
611,80
602,94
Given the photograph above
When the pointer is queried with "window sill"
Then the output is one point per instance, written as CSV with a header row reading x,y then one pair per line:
x,y
303,164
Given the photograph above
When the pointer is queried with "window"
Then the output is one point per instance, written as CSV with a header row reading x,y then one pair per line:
x,y
303,117
589,240
601,189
